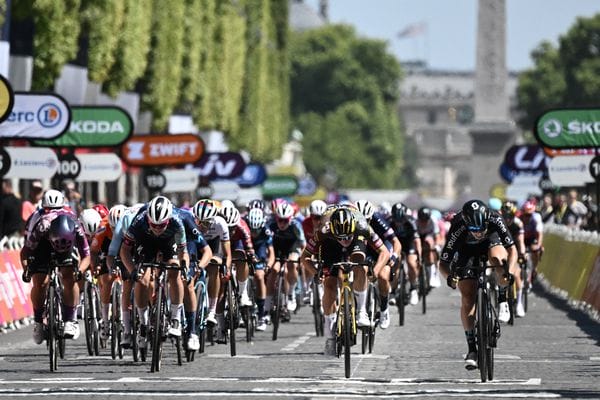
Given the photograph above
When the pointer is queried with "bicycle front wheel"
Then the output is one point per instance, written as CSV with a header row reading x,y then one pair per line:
x,y
482,332
401,295
347,332
232,305
423,288
87,319
318,315
277,302
158,331
52,329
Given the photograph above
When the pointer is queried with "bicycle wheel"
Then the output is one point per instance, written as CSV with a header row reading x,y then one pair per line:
x,y
87,319
277,303
232,307
482,332
158,331
375,310
525,286
512,303
401,295
347,332
201,314
317,314
423,288
52,329
135,331
96,319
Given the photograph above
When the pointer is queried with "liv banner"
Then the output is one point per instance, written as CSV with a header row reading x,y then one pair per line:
x,y
36,116
94,126
569,128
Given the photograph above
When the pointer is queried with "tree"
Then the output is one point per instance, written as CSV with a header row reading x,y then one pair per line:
x,y
567,76
344,94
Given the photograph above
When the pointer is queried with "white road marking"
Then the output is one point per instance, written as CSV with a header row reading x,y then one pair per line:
x,y
301,340
594,358
229,356
506,357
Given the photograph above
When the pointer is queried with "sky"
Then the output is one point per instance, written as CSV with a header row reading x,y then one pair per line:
x,y
448,39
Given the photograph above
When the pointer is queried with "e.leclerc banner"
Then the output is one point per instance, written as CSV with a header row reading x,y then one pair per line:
x,y
569,128
94,126
36,116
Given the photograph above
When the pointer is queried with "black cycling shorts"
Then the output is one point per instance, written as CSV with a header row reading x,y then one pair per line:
x,y
467,265
331,252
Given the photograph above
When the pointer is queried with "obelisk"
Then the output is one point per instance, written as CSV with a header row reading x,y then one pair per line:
x,y
493,130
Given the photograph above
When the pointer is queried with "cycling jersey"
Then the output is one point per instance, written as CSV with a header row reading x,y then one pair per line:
x,y
429,227
289,239
515,227
120,229
261,240
215,234
102,238
241,238
406,232
532,226
309,228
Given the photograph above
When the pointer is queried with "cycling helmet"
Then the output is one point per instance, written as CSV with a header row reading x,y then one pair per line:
x,y
366,208
424,214
256,218
528,207
205,210
227,204
90,220
160,210
115,214
476,214
231,216
61,233
495,203
284,211
257,203
317,207
53,199
277,202
342,223
398,212
101,209
508,209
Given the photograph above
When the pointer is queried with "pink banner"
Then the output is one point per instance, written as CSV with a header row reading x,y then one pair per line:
x,y
15,302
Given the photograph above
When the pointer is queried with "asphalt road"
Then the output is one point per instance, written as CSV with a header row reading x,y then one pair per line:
x,y
554,352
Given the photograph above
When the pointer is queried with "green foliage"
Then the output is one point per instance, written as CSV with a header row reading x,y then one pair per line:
x,y
203,113
193,44
344,94
567,76
2,12
132,48
103,20
55,42
163,75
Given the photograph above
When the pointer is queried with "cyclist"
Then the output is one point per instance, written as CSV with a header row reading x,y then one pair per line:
x,y
262,240
515,227
57,234
288,242
405,228
429,232
156,229
241,243
311,226
344,238
476,231
112,261
216,232
386,233
195,244
533,233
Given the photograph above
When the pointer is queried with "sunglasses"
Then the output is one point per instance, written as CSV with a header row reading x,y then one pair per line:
x,y
344,238
283,220
476,229
158,226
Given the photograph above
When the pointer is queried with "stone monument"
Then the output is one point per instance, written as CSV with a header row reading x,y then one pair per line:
x,y
492,131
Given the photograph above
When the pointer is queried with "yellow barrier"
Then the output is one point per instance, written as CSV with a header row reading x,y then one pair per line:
x,y
571,262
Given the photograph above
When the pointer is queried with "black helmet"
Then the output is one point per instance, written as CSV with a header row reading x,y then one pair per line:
x,y
509,209
61,233
424,214
476,214
256,203
398,211
342,223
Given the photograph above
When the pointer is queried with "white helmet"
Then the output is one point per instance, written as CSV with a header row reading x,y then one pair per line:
x,y
256,218
284,211
160,210
317,207
115,214
205,210
90,220
385,208
366,208
227,204
53,199
231,216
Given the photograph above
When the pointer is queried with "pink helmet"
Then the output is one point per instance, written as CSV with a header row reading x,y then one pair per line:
x,y
528,207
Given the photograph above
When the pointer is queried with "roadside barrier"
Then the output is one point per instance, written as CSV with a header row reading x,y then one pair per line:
x,y
571,263
15,302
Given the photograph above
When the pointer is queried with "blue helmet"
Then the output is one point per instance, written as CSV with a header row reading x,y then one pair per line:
x,y
61,233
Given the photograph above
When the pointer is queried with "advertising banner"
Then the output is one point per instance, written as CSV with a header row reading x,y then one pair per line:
x,y
254,174
526,158
225,190
101,167
94,126
31,163
15,303
523,186
227,165
280,185
568,152
36,116
7,98
569,128
570,171
180,180
507,173
161,150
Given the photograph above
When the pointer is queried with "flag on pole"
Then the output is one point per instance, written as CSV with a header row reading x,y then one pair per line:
x,y
413,30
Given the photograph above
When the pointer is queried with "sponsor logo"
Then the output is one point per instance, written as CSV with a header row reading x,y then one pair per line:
x,y
136,149
50,163
552,128
49,115
97,127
